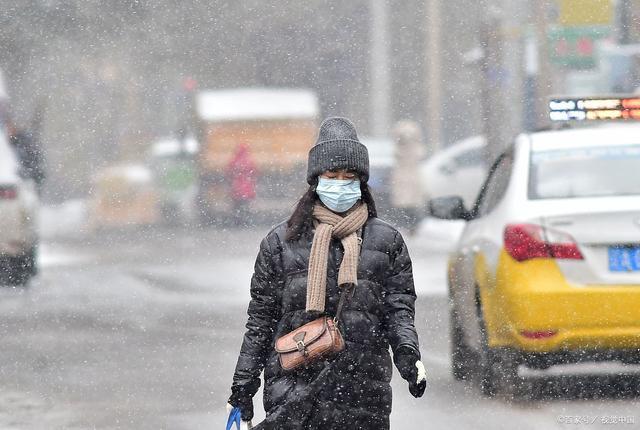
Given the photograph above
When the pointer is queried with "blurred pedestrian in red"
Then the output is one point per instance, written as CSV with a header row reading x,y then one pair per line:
x,y
241,176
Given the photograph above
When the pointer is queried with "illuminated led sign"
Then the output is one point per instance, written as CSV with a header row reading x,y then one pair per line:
x,y
597,108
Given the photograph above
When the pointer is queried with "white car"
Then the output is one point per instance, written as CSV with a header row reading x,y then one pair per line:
x,y
456,170
18,211
547,269
381,162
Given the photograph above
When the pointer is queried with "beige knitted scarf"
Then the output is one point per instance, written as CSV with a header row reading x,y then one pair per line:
x,y
330,224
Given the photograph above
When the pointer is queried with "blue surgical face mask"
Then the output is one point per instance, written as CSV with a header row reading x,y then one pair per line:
x,y
337,194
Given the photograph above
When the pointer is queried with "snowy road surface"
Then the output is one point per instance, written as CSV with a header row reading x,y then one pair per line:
x,y
141,331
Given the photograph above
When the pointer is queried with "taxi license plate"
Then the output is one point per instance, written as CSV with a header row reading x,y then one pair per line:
x,y
624,259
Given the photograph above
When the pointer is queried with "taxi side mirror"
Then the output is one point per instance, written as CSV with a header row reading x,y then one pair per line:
x,y
450,207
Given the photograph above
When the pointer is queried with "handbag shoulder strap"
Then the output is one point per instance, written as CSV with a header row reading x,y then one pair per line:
x,y
347,289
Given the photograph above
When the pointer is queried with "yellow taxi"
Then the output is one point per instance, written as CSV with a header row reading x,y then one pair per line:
x,y
547,269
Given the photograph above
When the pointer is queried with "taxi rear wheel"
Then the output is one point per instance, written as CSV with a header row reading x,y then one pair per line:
x,y
461,356
497,367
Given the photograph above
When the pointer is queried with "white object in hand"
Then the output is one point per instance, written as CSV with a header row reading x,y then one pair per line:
x,y
422,372
244,425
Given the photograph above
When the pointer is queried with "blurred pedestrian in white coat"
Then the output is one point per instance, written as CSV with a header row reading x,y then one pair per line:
x,y
407,193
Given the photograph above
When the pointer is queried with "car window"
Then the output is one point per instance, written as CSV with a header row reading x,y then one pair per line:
x,y
585,172
496,184
471,157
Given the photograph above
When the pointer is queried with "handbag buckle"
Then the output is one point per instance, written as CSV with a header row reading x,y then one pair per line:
x,y
301,347
299,338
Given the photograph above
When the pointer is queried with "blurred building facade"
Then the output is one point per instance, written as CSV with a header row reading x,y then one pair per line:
x,y
110,77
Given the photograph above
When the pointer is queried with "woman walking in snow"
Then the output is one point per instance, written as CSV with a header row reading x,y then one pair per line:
x,y
333,241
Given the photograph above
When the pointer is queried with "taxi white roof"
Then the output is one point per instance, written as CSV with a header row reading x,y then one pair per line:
x,y
256,103
597,135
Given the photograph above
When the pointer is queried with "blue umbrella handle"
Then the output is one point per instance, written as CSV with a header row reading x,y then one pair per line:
x,y
234,417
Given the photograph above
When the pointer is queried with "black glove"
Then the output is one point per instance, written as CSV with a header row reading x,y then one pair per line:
x,y
417,390
405,359
240,399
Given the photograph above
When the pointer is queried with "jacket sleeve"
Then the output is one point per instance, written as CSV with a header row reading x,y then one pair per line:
x,y
399,299
263,316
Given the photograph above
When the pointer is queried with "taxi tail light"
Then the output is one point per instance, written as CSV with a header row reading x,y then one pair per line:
x,y
526,241
8,192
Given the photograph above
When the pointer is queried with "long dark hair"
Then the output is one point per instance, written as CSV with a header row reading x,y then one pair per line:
x,y
301,220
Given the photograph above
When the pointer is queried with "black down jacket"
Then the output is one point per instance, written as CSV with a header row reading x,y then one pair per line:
x,y
352,389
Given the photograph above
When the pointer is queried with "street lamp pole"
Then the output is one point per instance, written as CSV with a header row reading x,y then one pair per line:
x,y
379,109
434,75
543,85
492,69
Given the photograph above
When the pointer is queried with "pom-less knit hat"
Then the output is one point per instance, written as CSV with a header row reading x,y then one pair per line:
x,y
338,147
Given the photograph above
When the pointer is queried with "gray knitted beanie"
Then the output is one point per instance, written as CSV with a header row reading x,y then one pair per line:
x,y
338,147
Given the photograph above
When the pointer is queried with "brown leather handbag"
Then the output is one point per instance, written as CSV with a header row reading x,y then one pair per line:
x,y
314,341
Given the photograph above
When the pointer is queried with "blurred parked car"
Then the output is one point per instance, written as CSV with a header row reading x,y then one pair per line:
x,y
547,270
124,195
19,210
456,170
